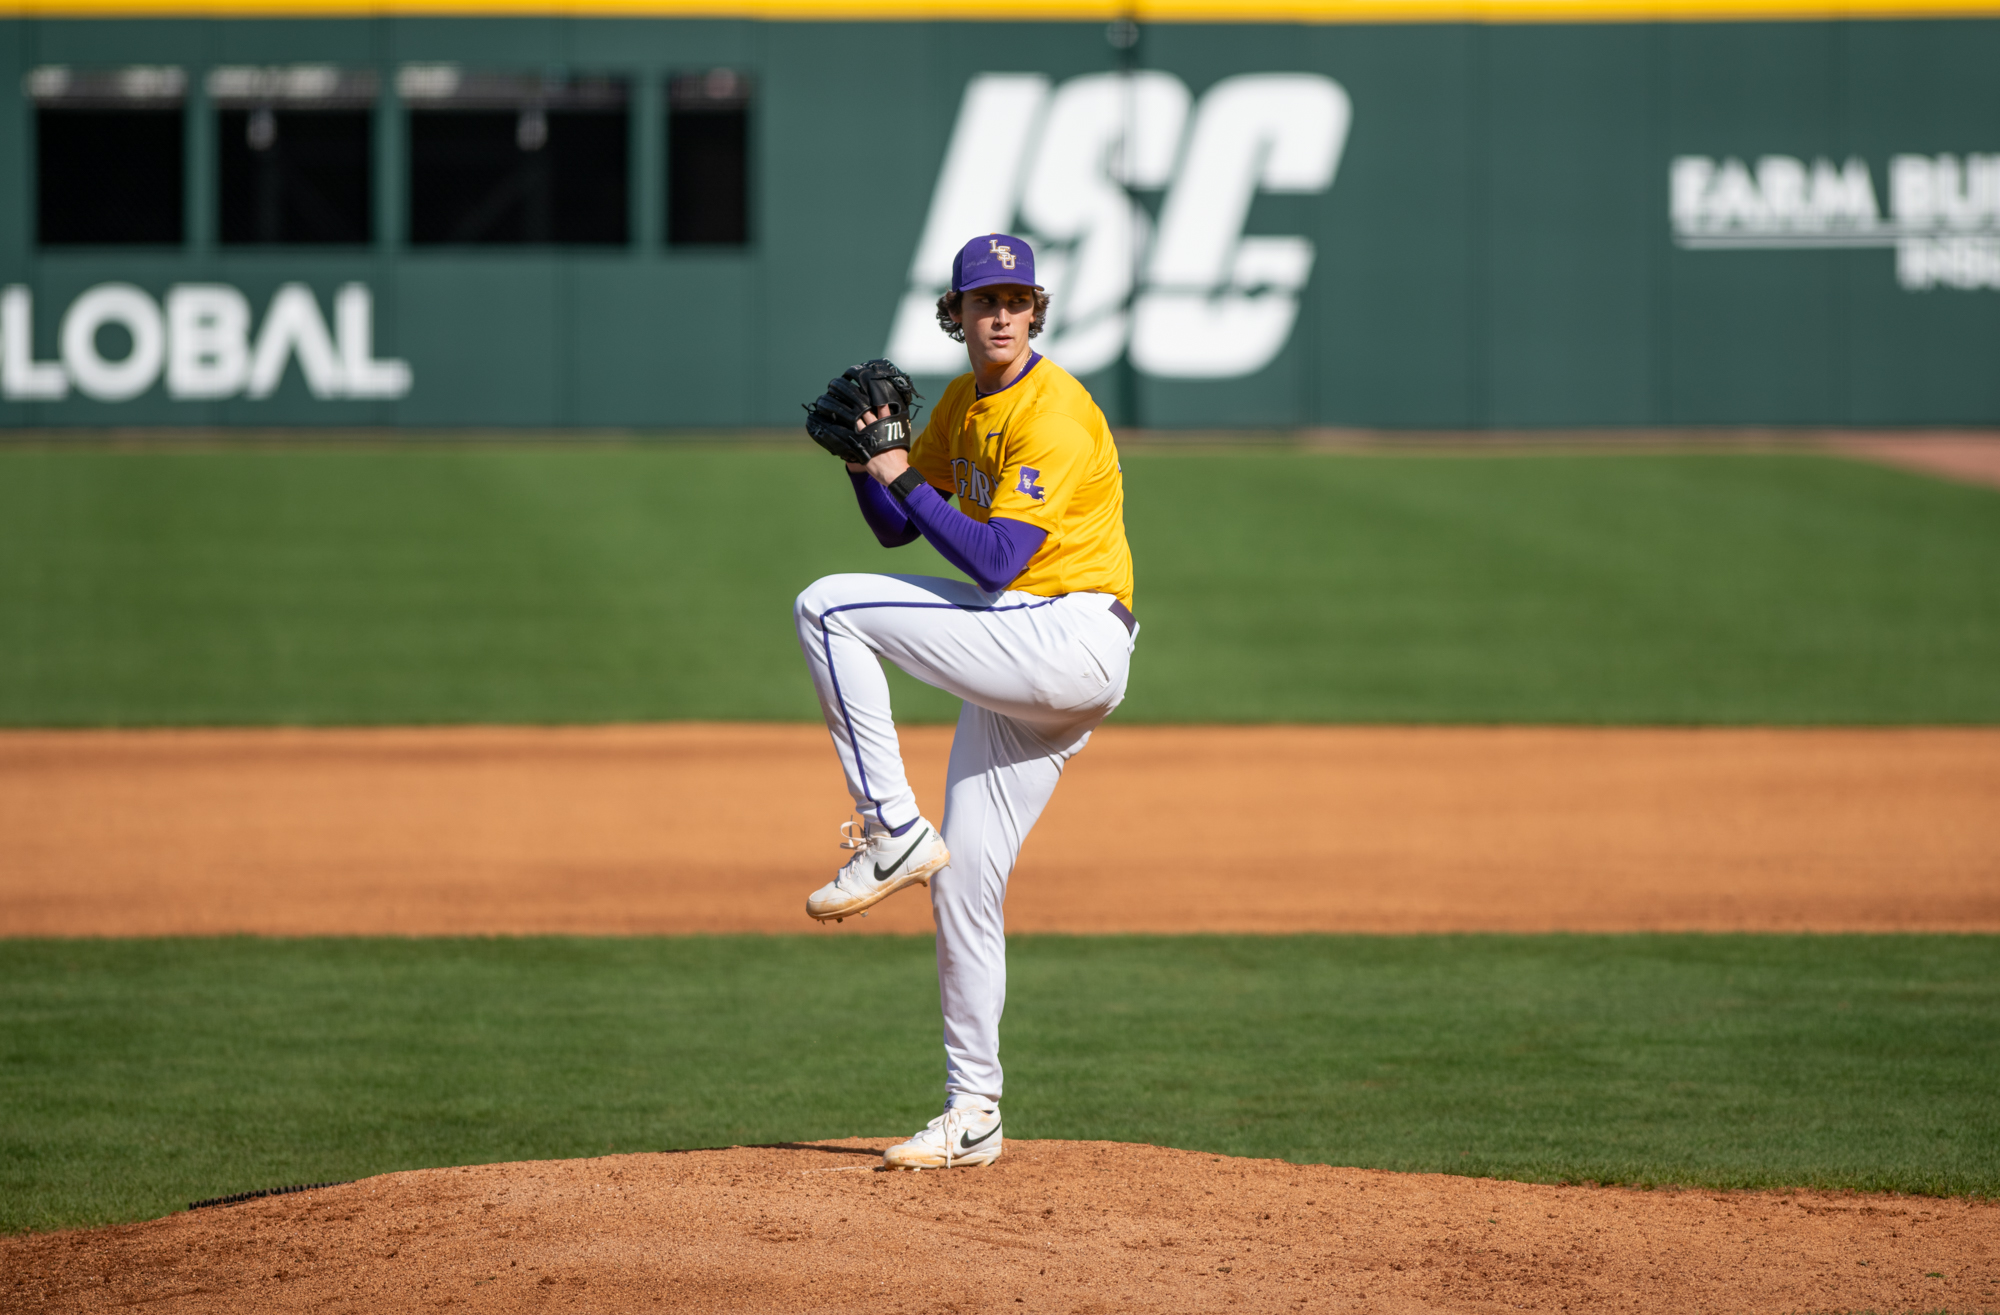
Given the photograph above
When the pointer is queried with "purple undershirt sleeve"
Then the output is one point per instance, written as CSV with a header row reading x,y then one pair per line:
x,y
992,553
883,513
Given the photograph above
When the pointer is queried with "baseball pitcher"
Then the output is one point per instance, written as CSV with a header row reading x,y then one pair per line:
x,y
1016,482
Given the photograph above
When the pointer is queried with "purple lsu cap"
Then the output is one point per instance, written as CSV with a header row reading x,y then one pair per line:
x,y
995,258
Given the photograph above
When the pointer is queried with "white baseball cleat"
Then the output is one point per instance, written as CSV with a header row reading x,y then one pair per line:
x,y
882,865
965,1136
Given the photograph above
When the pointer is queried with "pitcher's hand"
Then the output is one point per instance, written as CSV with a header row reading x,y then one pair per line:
x,y
887,465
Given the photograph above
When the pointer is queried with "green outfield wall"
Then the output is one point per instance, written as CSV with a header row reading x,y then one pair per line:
x,y
1431,225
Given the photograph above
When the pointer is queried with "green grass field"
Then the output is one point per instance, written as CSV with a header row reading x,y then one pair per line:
x,y
139,1075
596,583
543,584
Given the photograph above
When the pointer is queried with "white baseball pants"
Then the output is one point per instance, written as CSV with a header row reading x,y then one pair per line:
x,y
1037,675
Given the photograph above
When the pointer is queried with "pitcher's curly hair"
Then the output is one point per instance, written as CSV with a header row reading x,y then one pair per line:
x,y
951,301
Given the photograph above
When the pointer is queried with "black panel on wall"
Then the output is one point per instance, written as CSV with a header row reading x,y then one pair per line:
x,y
294,176
505,160
708,159
107,176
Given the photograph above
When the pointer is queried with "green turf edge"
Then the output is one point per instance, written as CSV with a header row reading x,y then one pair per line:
x,y
136,1076
534,585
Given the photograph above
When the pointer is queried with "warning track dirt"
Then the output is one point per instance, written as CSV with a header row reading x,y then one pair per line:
x,y
720,828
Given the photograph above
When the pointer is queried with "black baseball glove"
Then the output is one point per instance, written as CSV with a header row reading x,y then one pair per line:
x,y
870,386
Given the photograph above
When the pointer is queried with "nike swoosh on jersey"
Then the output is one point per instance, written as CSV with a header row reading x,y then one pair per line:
x,y
882,873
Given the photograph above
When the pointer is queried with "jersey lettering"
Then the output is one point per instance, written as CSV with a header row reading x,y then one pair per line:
x,y
972,483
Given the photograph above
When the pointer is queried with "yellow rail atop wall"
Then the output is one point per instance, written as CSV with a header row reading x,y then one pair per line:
x,y
1145,11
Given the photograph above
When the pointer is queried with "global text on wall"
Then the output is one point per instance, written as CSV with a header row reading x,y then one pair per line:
x,y
1374,214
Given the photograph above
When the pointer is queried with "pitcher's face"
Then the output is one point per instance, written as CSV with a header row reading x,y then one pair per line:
x,y
996,319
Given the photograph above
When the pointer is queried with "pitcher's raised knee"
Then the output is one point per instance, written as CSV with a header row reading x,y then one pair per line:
x,y
825,594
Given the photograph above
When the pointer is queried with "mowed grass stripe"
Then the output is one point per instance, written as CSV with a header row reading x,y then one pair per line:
x,y
589,584
138,1075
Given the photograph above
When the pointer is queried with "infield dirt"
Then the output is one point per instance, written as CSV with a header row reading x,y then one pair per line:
x,y
1053,1226
714,828
725,828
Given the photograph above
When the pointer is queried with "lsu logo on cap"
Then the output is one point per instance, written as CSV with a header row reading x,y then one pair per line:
x,y
1004,259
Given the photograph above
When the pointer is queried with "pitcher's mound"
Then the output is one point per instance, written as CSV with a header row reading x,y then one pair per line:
x,y
1054,1226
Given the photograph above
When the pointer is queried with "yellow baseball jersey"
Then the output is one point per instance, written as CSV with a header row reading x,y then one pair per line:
x,y
1038,451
